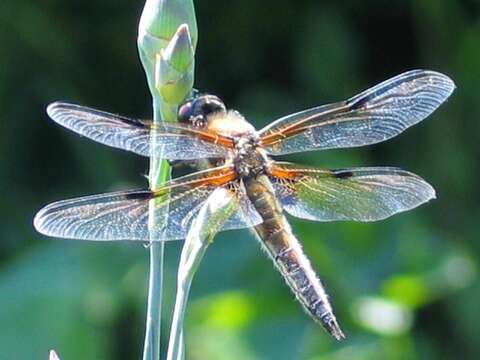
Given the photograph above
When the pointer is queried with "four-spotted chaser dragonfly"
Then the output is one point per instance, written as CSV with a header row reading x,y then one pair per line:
x,y
260,188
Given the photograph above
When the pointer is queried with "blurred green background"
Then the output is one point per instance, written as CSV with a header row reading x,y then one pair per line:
x,y
404,288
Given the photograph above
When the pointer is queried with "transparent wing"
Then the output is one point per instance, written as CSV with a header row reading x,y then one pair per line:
x,y
374,115
360,194
125,215
173,141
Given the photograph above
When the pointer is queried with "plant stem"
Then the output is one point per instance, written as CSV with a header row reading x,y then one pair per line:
x,y
159,173
151,350
167,50
192,254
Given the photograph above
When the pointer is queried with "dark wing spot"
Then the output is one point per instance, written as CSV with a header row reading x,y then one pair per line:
x,y
379,90
139,195
342,174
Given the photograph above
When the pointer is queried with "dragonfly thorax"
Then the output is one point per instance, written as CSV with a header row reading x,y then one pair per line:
x,y
249,159
231,124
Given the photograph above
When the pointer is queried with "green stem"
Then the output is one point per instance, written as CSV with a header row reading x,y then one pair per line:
x,y
192,254
167,51
151,350
159,174
185,276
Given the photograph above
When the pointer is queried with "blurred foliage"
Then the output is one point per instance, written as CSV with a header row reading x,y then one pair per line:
x,y
404,288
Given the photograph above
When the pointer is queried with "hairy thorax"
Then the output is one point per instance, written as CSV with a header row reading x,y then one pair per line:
x,y
248,158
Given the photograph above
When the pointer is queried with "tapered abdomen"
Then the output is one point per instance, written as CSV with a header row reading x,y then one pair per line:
x,y
287,254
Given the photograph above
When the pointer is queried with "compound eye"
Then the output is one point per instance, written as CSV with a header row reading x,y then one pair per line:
x,y
209,105
185,112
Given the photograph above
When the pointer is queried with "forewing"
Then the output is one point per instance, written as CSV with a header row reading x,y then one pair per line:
x,y
359,194
172,141
374,115
126,215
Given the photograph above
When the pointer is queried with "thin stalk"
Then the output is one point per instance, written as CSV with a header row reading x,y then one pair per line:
x,y
192,254
151,349
166,50
159,173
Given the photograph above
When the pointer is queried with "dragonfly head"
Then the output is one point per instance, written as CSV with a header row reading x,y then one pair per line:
x,y
195,111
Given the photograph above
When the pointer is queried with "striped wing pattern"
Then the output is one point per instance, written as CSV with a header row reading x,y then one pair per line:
x,y
374,115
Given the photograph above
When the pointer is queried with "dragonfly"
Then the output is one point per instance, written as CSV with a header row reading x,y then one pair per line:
x,y
233,156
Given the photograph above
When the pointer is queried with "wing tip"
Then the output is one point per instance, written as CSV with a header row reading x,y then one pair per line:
x,y
437,78
38,221
448,85
56,111
426,190
41,217
432,194
53,108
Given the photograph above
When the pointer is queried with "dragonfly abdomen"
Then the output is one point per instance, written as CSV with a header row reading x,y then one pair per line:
x,y
288,256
